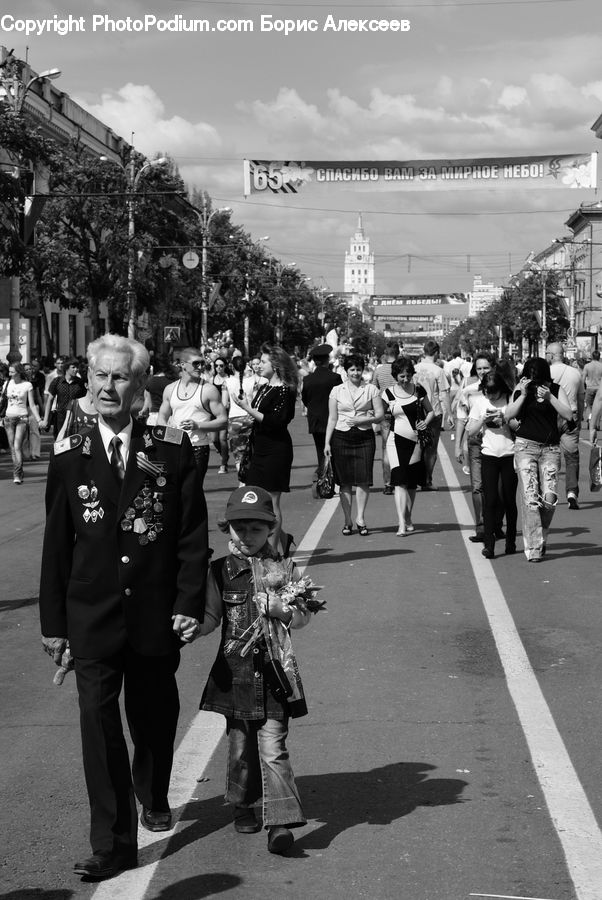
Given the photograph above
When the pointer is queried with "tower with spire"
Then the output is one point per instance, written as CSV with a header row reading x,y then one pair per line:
x,y
359,263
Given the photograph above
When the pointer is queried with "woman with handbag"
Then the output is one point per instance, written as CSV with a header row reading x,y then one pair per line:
x,y
20,404
537,403
272,408
353,408
411,412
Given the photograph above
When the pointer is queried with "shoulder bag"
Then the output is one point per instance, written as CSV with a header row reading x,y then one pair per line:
x,y
4,401
425,435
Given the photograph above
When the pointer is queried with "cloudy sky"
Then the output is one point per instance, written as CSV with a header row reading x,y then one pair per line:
x,y
474,78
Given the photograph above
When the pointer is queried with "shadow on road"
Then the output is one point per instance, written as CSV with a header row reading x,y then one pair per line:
x,y
379,796
207,885
339,800
37,894
7,605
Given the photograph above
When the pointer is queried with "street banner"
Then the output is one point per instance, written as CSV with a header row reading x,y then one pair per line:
x,y
571,170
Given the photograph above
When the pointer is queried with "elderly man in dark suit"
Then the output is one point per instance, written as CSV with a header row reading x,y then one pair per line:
x,y
124,568
314,395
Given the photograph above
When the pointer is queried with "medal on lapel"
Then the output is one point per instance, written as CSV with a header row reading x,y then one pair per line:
x,y
155,470
145,516
90,502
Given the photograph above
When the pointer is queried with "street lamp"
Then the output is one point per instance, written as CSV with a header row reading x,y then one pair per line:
x,y
133,180
13,91
247,296
12,87
205,217
280,271
543,272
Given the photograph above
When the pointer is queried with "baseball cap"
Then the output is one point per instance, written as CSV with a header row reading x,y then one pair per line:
x,y
250,502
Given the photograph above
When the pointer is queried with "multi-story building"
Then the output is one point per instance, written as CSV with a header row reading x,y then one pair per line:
x,y
58,117
414,318
359,264
482,296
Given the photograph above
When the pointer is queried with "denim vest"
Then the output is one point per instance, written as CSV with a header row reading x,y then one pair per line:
x,y
236,687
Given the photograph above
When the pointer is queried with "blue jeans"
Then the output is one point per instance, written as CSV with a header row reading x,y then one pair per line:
x,y
473,447
569,444
259,765
537,467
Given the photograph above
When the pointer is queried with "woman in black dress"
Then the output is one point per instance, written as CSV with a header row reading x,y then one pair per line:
x,y
272,408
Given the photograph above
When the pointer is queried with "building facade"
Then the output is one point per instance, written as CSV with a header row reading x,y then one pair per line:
x,y
60,118
359,276
482,296
411,319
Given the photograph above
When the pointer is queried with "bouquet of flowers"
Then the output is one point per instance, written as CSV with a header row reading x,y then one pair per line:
x,y
295,594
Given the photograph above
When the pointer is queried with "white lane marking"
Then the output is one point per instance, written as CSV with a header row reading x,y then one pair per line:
x,y
190,760
312,536
509,897
569,808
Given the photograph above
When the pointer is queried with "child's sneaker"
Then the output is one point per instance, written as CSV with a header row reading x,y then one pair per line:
x,y
280,839
245,821
223,470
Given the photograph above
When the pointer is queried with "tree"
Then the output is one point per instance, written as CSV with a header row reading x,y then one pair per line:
x,y
23,150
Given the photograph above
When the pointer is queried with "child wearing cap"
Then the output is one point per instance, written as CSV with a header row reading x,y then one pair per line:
x,y
255,668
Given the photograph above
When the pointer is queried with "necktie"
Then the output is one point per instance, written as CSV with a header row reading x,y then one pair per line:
x,y
117,459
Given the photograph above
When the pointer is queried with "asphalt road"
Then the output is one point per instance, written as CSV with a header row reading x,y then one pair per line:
x,y
452,745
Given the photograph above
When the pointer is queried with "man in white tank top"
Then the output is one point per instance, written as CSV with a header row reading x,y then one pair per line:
x,y
194,406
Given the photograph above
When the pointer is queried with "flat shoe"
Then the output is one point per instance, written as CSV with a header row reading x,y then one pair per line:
x,y
280,839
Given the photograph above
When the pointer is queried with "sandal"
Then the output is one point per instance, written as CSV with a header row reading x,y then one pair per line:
x,y
347,530
362,529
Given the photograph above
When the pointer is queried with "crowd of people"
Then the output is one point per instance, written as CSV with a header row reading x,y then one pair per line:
x,y
126,476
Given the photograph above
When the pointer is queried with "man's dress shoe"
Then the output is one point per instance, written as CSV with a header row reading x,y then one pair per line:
x,y
106,864
155,821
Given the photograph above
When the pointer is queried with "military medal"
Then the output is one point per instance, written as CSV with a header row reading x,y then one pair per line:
x,y
88,496
145,516
155,470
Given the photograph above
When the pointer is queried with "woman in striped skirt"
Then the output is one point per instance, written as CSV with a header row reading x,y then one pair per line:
x,y
353,408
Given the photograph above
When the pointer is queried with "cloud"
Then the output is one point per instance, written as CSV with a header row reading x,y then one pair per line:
x,y
137,108
512,96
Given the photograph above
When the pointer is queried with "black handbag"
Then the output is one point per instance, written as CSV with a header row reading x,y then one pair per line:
x,y
3,401
325,483
245,458
276,679
425,435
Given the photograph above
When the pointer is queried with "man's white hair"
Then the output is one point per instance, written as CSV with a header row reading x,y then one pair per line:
x,y
137,352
